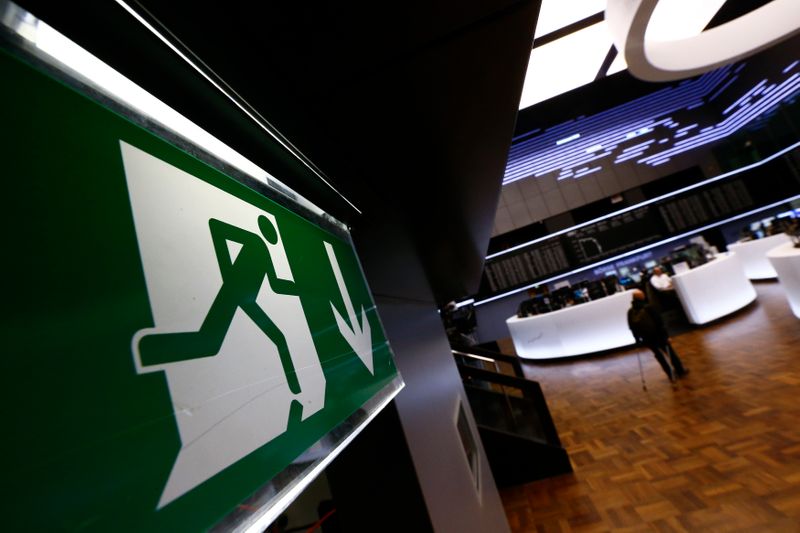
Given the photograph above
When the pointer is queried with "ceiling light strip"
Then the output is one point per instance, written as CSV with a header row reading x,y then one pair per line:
x,y
744,96
733,123
657,102
520,160
699,87
725,86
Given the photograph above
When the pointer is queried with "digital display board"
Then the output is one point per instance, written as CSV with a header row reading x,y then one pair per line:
x,y
585,245
696,209
612,235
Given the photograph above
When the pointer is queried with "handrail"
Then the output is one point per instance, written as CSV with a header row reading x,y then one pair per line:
x,y
531,390
483,353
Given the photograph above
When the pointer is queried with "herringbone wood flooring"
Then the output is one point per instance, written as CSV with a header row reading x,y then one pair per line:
x,y
718,452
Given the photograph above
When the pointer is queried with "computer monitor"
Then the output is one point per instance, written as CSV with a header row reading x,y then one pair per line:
x,y
596,290
610,283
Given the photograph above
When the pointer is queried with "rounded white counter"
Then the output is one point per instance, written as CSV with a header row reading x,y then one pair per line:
x,y
753,255
583,328
786,261
713,290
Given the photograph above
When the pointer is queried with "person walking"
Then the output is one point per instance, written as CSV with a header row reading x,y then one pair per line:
x,y
648,329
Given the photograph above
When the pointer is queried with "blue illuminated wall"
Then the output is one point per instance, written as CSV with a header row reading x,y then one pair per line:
x,y
587,158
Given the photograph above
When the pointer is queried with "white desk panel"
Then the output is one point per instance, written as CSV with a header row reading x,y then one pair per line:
x,y
713,290
583,328
786,261
753,255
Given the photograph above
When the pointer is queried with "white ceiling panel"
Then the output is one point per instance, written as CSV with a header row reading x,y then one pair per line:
x,y
555,14
565,64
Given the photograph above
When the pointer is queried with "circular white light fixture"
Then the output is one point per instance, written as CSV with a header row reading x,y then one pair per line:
x,y
680,57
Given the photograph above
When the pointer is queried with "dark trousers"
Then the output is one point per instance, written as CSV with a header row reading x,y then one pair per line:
x,y
662,350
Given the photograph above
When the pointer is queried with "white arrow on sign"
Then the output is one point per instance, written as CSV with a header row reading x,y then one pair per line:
x,y
359,338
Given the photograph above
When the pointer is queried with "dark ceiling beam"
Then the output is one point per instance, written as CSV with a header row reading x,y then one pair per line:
x,y
609,59
733,10
569,29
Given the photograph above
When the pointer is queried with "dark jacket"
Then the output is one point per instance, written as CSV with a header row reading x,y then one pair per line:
x,y
646,324
526,308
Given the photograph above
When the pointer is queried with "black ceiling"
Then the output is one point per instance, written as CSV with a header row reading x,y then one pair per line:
x,y
408,105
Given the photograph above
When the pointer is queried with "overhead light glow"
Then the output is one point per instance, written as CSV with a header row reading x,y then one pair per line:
x,y
565,64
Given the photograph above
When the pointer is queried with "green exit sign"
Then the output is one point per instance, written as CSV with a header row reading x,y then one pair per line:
x,y
175,339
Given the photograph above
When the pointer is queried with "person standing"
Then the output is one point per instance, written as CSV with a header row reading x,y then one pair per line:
x,y
660,280
648,329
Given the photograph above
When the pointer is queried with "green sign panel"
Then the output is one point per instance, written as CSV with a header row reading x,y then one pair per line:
x,y
173,339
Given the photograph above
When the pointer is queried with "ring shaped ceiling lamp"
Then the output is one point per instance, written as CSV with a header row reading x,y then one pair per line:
x,y
682,57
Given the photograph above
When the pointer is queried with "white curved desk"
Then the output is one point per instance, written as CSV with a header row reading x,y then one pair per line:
x,y
786,261
713,290
753,255
583,328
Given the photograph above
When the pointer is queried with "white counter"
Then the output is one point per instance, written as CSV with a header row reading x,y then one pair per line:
x,y
583,328
714,290
753,255
786,261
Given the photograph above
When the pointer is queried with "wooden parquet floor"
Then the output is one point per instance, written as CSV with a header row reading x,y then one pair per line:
x,y
718,452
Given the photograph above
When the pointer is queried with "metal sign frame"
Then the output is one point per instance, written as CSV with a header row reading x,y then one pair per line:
x,y
18,38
